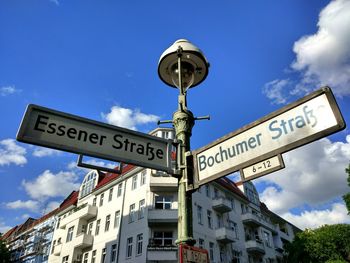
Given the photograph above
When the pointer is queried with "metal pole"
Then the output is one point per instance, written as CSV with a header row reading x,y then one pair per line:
x,y
183,121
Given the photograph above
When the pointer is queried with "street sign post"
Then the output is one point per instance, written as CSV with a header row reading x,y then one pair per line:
x,y
308,119
191,254
53,129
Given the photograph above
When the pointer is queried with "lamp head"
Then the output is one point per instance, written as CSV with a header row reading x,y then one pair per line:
x,y
194,65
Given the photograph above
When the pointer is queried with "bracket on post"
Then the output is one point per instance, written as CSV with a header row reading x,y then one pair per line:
x,y
100,168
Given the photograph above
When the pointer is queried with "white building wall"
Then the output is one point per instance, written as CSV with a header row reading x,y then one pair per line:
x,y
228,232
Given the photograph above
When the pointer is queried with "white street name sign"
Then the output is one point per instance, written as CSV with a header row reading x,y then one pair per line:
x,y
308,119
49,128
262,168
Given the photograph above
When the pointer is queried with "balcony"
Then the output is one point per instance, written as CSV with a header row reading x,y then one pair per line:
x,y
57,249
159,182
255,220
83,212
162,253
221,205
255,247
82,241
225,235
162,217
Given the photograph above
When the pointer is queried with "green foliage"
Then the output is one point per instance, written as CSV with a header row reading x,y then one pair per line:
x,y
4,252
329,243
346,197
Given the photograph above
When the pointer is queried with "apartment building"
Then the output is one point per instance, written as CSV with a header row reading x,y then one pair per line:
x,y
132,217
30,242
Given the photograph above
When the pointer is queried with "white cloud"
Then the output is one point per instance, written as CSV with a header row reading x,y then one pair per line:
x,y
322,59
4,228
314,174
315,218
49,184
10,152
275,89
128,118
51,206
30,205
8,90
43,152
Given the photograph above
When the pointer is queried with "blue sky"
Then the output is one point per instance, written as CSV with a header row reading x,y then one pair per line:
x,y
98,59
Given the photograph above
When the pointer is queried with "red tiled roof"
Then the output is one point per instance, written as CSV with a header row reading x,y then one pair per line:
x,y
231,186
108,177
45,217
8,233
72,199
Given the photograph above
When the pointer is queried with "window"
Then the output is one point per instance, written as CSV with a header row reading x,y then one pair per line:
x,y
207,190
94,202
220,221
90,226
210,219
103,258
143,177
132,213
233,227
98,224
101,199
108,222
163,238
65,259
134,182
201,243
116,218
83,229
142,208
88,184
114,253
58,223
216,194
267,238
85,257
129,247
223,254
93,257
139,244
120,189
199,215
110,195
236,256
53,246
70,234
232,202
163,202
211,251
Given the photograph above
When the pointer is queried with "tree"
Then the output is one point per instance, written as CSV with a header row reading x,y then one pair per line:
x,y
4,252
346,197
329,243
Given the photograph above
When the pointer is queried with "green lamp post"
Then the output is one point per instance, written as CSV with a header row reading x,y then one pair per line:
x,y
183,66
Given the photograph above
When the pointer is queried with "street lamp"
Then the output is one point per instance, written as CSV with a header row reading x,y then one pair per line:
x,y
183,66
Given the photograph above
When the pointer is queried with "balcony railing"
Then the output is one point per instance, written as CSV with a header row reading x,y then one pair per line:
x,y
161,253
225,235
159,182
83,240
83,212
57,249
222,205
255,220
162,216
255,246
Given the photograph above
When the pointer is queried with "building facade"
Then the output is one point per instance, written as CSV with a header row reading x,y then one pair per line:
x,y
132,217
